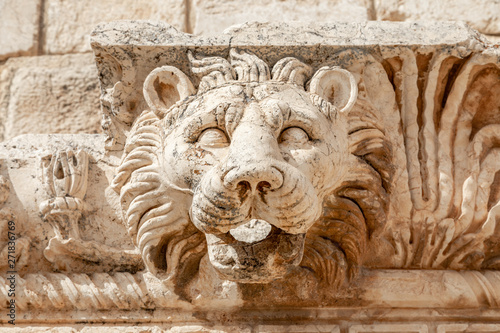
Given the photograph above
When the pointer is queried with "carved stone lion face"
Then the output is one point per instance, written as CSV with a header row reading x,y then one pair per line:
x,y
260,158
242,167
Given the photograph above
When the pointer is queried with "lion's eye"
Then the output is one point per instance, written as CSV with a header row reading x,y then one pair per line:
x,y
213,138
294,136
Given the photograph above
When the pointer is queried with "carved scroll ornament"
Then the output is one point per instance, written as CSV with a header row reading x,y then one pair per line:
x,y
65,175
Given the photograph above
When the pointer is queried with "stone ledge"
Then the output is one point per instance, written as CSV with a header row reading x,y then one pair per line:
x,y
446,293
155,33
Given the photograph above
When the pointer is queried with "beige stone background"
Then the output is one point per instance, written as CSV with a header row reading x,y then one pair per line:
x,y
48,80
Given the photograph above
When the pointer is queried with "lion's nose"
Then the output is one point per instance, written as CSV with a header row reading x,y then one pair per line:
x,y
255,177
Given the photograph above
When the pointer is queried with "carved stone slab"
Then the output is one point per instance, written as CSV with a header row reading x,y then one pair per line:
x,y
286,167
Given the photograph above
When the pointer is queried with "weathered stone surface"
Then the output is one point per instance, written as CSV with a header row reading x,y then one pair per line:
x,y
211,17
493,39
385,53
313,328
19,21
389,328
276,178
468,328
67,24
248,240
131,329
112,44
49,94
483,15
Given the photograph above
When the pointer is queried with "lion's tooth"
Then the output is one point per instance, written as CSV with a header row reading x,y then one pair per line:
x,y
251,232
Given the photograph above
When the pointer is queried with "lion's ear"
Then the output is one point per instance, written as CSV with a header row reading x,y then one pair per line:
x,y
165,86
335,85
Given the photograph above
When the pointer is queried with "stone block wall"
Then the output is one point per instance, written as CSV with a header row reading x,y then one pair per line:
x,y
48,82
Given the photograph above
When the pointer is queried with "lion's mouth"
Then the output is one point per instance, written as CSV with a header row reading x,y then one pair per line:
x,y
255,252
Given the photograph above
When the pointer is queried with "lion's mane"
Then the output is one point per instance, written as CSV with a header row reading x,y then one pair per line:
x,y
170,245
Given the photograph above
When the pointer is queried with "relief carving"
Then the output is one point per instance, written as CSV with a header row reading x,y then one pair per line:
x,y
262,167
452,152
13,258
271,168
65,174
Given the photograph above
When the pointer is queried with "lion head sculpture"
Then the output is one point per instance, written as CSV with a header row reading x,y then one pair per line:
x,y
263,170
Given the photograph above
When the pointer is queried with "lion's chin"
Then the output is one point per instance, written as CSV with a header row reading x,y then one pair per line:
x,y
265,255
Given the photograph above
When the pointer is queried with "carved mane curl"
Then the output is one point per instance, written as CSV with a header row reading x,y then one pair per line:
x,y
150,204
356,211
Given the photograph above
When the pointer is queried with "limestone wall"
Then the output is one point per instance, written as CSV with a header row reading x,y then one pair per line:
x,y
48,82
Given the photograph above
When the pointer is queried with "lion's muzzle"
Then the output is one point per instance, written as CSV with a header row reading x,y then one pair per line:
x,y
255,217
